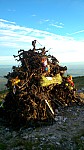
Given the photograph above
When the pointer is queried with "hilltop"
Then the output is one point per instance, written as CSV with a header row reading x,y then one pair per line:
x,y
67,132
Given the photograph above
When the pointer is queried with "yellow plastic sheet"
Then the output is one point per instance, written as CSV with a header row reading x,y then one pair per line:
x,y
46,81
15,81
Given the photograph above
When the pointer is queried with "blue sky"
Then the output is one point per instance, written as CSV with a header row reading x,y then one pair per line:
x,y
56,24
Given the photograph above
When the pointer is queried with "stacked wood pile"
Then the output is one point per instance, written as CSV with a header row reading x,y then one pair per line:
x,y
28,98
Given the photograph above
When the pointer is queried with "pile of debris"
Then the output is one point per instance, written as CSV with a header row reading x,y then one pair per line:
x,y
37,87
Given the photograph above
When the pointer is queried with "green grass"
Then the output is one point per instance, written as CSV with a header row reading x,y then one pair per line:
x,y
79,140
3,146
79,82
3,81
3,94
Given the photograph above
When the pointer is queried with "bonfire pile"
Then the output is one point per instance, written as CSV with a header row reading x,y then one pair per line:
x,y
37,87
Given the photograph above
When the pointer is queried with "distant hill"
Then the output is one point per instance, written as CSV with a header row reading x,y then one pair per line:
x,y
4,69
79,82
3,81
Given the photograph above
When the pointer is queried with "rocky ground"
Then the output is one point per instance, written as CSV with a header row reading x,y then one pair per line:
x,y
66,133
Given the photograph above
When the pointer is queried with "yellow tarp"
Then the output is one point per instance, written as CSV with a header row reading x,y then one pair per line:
x,y
15,81
46,81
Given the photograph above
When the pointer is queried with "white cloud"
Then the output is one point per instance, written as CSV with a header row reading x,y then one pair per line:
x,y
13,36
77,32
3,20
33,15
42,21
51,23
57,26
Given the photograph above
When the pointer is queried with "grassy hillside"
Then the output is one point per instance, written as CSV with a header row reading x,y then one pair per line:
x,y
79,82
3,81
